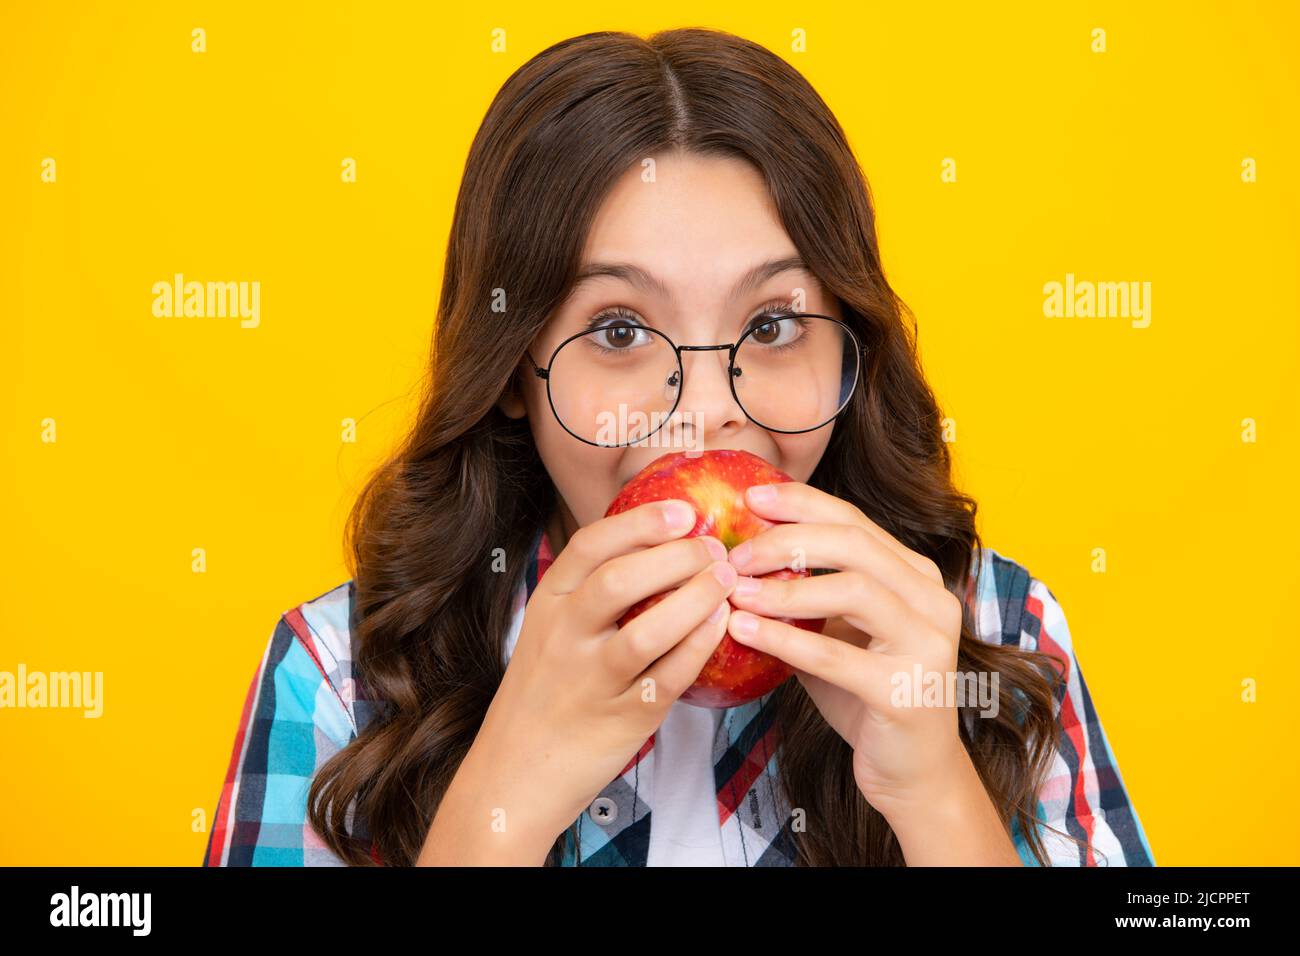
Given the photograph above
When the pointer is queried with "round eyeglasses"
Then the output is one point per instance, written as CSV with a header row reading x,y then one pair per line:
x,y
619,383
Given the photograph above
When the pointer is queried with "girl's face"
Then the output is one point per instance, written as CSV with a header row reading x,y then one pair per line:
x,y
693,233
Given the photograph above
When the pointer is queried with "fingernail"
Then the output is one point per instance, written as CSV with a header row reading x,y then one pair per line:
x,y
718,611
746,625
740,554
746,586
678,515
717,550
761,494
725,574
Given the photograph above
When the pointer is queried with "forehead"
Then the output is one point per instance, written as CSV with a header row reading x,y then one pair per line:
x,y
691,226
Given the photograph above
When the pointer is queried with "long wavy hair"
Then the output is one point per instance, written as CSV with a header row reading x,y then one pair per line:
x,y
430,617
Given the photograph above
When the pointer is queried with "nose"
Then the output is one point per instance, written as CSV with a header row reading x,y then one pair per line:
x,y
707,410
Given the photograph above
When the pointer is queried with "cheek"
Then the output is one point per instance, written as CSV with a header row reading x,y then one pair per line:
x,y
800,454
585,476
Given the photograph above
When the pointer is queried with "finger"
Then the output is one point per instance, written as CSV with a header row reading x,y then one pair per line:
x,y
860,600
843,547
672,674
654,632
592,545
797,501
622,581
862,672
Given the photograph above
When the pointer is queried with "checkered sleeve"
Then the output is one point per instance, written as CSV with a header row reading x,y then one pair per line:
x,y
1084,795
292,721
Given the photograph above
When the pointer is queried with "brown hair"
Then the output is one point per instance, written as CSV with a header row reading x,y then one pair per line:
x,y
430,616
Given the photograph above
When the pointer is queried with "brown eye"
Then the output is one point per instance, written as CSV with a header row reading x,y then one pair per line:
x,y
774,332
767,333
619,336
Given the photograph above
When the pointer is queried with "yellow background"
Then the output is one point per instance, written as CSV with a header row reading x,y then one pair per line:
x,y
1074,434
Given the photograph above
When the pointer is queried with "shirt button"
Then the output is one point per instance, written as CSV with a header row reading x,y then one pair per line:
x,y
603,810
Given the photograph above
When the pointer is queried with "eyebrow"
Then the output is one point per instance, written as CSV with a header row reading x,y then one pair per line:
x,y
643,280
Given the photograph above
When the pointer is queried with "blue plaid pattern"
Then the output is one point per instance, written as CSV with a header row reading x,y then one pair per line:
x,y
304,705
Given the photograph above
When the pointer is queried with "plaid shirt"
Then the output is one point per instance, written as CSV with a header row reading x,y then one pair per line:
x,y
304,705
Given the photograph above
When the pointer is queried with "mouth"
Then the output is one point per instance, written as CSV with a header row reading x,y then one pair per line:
x,y
630,471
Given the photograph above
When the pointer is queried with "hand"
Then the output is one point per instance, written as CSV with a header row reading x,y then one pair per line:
x,y
572,708
887,610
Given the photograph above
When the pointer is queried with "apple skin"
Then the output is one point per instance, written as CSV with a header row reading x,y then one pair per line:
x,y
714,482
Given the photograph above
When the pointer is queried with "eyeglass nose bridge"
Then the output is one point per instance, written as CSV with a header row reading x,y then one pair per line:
x,y
731,355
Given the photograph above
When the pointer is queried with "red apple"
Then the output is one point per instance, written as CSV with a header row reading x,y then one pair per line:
x,y
715,482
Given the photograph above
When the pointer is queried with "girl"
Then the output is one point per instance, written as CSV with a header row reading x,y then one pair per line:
x,y
672,230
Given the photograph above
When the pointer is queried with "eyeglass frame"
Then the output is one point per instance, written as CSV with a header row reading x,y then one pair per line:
x,y
733,348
